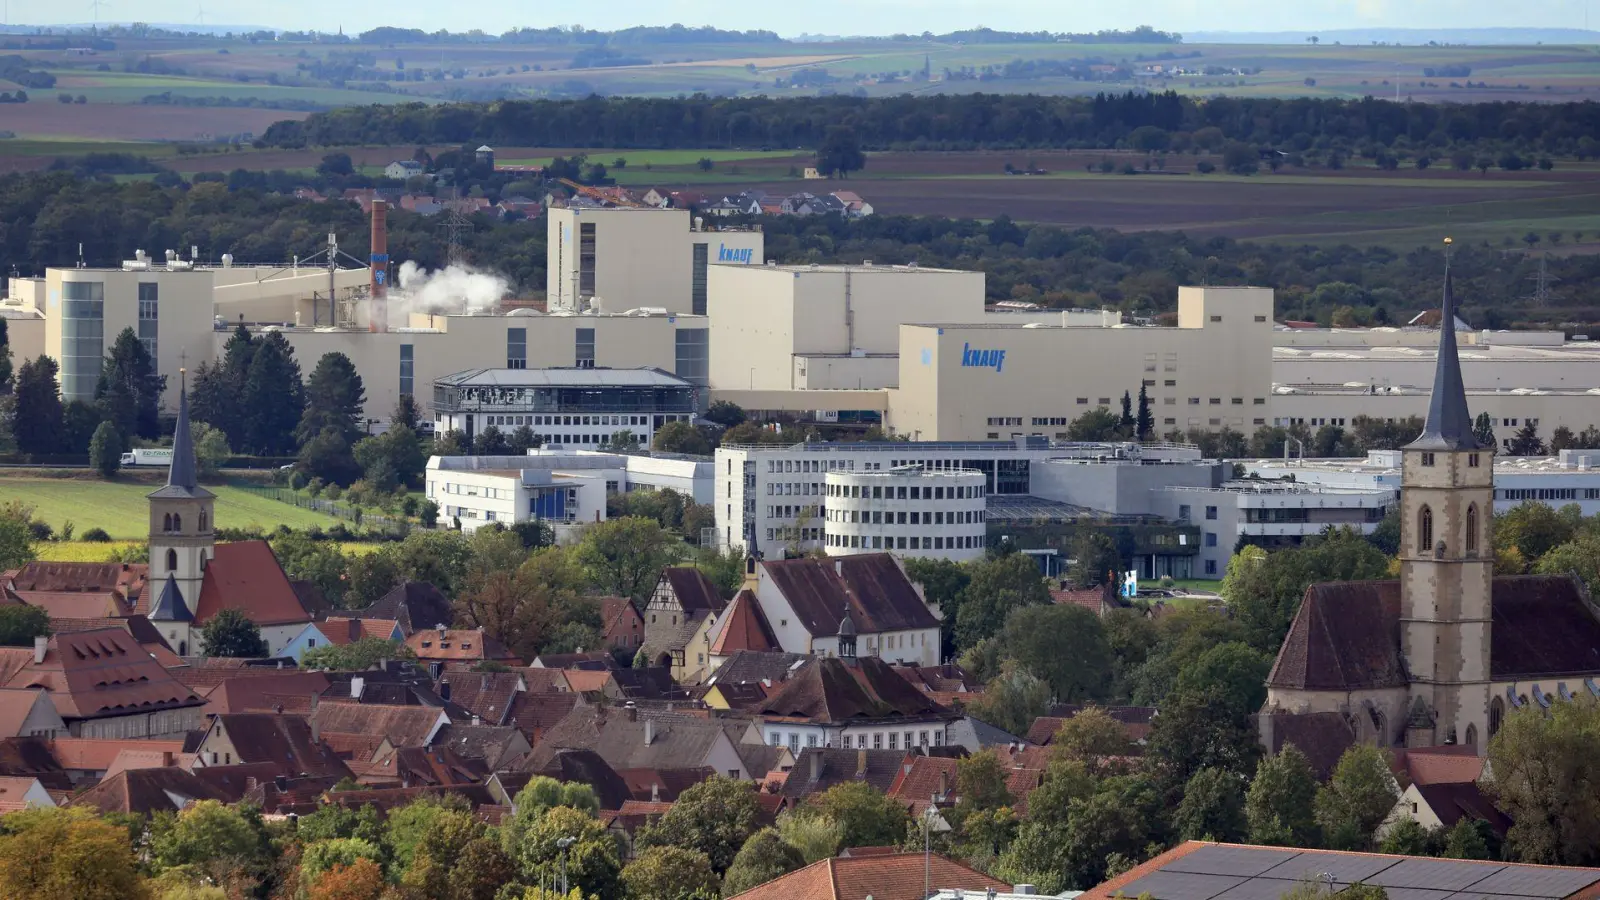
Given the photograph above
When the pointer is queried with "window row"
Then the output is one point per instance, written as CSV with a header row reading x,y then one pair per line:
x,y
902,542
878,517
905,492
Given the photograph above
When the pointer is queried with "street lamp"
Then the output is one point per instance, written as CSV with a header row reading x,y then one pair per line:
x,y
564,845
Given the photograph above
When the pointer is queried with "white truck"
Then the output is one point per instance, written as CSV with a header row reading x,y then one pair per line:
x,y
147,458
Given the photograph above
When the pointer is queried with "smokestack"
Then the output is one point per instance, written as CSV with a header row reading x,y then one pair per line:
x,y
378,317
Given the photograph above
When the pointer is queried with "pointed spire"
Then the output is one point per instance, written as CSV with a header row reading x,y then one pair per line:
x,y
182,473
1449,425
182,476
170,606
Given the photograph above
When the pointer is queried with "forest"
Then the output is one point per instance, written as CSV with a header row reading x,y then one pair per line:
x,y
959,122
45,216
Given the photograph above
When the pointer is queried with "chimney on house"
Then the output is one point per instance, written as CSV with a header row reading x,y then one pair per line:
x,y
476,722
944,784
166,758
861,763
316,731
655,792
816,764
631,710
649,729
41,646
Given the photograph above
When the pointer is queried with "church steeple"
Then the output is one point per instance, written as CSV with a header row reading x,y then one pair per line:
x,y
182,537
1449,425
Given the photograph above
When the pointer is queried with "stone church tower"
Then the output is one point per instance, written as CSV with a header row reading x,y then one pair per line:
x,y
1447,561
182,539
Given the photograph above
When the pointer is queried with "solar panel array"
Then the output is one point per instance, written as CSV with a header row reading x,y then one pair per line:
x,y
1224,872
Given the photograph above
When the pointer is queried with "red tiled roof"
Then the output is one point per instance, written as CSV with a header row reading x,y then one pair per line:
x,y
98,754
15,706
584,680
343,630
1322,737
694,590
871,587
123,581
456,644
897,876
618,618
831,690
924,778
284,742
147,791
535,712
488,695
288,688
404,726
1454,801
205,673
353,747
744,627
1452,764
246,576
97,674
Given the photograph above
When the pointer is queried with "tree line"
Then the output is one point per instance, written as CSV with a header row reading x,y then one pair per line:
x,y
959,121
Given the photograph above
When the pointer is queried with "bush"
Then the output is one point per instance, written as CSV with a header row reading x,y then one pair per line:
x,y
96,536
333,492
41,530
1205,167
298,480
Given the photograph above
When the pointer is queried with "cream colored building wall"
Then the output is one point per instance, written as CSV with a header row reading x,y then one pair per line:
x,y
764,316
185,327
459,343
643,257
798,401
25,337
1424,338
279,294
813,373
1213,371
1576,411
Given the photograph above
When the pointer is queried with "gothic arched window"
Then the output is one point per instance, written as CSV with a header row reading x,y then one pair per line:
x,y
177,522
202,520
1425,531
1497,714
172,560
166,522
1472,530
1472,735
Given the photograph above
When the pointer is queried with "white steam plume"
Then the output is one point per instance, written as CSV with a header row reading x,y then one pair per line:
x,y
451,290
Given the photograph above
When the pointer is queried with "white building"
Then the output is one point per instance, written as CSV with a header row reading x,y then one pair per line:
x,y
581,407
907,510
401,169
807,600
1573,476
564,488
617,259
1267,513
769,497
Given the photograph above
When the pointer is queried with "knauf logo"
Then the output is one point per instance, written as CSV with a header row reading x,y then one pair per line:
x,y
734,254
982,359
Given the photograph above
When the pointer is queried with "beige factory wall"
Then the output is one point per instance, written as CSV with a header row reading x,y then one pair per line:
x,y
1423,338
764,316
459,343
752,327
846,372
1220,354
185,326
25,336
643,257
275,294
805,401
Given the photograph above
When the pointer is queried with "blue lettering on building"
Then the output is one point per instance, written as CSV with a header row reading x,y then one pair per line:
x,y
982,359
734,254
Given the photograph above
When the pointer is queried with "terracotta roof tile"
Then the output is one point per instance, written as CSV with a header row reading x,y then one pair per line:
x,y
487,695
289,689
833,690
100,674
31,756
98,754
15,706
1322,737
1454,801
924,778
536,712
871,587
345,630
50,583
694,591
388,799
662,784
458,644
676,741
147,791
743,626
285,742
404,726
583,681
818,768
896,876
1453,764
246,576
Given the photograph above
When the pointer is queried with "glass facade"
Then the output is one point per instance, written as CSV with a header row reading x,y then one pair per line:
x,y
583,355
149,319
586,256
407,369
694,355
83,325
516,348
697,282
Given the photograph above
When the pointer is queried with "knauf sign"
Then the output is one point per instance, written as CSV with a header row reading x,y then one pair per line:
x,y
982,359
734,254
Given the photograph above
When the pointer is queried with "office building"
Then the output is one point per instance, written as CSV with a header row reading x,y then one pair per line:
x,y
617,259
1270,515
566,488
582,408
906,510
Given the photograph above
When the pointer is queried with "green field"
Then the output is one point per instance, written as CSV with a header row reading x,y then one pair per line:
x,y
638,159
120,507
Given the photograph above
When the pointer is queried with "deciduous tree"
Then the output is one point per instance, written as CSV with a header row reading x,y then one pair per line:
x,y
67,854
670,873
20,624
1357,798
1063,644
105,450
1212,808
713,818
1281,803
867,817
231,633
765,856
1546,778
625,556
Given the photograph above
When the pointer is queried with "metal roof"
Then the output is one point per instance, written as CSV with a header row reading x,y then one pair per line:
x,y
643,377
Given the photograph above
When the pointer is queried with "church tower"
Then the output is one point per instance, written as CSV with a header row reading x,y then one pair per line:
x,y
1447,560
182,541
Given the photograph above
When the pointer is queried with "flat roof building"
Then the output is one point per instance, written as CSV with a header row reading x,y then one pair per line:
x,y
976,381
907,510
617,259
565,407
